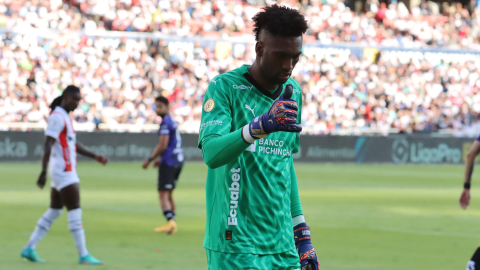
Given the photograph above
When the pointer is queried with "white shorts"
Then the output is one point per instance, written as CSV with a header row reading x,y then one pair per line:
x,y
61,181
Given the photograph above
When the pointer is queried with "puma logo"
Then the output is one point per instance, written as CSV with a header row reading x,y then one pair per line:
x,y
270,121
252,110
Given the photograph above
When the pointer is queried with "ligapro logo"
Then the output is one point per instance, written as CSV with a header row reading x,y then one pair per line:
x,y
404,151
400,151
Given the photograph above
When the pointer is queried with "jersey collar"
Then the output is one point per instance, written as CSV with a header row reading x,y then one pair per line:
x,y
262,90
61,110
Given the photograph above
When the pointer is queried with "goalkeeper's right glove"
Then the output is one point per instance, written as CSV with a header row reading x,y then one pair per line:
x,y
282,116
306,252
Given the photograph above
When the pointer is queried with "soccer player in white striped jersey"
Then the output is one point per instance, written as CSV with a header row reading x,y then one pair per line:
x,y
61,150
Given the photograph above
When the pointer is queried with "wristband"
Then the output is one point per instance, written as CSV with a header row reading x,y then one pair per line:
x,y
246,136
150,159
466,185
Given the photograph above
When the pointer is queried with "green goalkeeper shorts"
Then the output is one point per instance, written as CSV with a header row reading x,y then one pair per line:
x,y
236,261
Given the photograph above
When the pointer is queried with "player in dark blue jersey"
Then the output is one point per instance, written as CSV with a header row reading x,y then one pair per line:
x,y
474,263
170,164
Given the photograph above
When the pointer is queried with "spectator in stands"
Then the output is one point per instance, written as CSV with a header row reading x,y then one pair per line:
x,y
119,77
330,22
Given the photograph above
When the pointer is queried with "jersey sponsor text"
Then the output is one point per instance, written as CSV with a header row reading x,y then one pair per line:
x,y
273,150
234,194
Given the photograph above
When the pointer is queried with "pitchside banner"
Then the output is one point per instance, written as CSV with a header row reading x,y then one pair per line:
x,y
28,146
392,149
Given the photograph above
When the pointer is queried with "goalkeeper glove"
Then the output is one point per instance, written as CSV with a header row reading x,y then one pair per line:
x,y
306,252
281,116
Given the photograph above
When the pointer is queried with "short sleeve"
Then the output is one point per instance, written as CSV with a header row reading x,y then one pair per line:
x,y
216,111
55,126
164,128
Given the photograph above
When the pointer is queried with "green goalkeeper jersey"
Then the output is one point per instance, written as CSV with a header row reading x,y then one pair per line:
x,y
248,199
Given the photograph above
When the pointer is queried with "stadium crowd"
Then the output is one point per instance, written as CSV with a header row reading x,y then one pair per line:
x,y
448,26
119,79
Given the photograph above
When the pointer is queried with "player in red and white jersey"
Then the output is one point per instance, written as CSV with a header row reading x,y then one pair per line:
x,y
60,149
63,155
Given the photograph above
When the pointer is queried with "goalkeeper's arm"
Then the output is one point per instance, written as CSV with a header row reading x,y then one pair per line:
x,y
306,252
218,150
295,205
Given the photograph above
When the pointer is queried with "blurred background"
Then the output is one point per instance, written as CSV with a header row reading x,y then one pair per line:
x,y
390,82
368,67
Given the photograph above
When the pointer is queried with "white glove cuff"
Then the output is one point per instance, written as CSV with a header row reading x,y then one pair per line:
x,y
297,220
246,134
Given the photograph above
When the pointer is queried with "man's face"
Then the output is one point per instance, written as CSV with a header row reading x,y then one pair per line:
x,y
71,101
278,56
161,109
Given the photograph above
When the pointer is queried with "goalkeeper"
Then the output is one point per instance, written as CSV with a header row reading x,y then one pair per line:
x,y
248,133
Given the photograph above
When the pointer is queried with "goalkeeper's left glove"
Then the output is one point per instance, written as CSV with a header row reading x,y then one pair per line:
x,y
281,116
306,252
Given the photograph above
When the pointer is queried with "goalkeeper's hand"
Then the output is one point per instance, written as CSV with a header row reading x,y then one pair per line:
x,y
281,116
306,252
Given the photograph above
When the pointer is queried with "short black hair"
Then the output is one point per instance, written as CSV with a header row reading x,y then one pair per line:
x,y
71,89
279,21
162,99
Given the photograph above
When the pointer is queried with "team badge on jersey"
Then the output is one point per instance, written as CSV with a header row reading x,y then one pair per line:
x,y
208,106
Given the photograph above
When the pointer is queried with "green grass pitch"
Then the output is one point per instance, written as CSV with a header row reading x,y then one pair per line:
x,y
372,217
